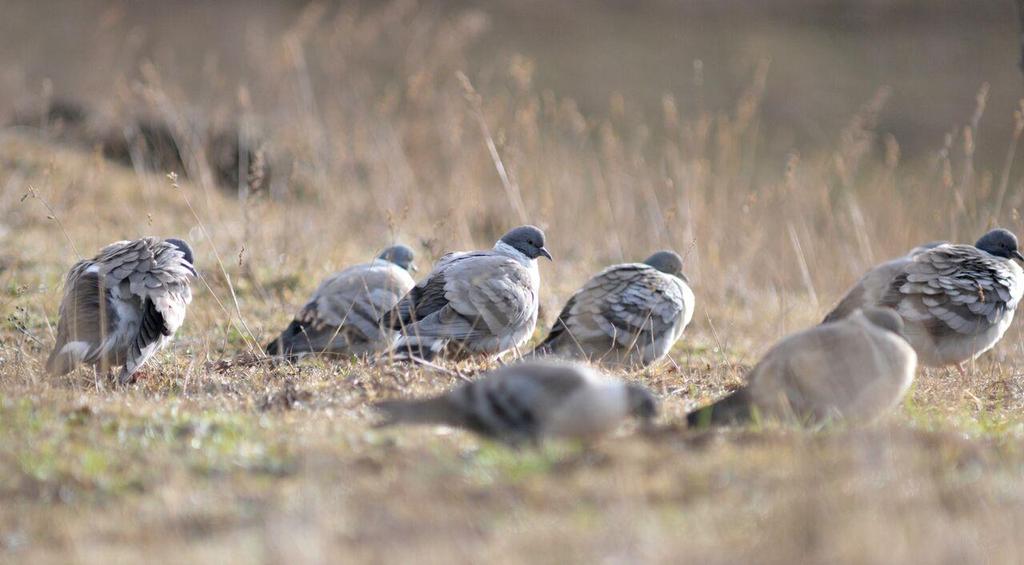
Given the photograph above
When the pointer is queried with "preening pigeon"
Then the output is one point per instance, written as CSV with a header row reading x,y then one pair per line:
x,y
855,368
342,317
626,315
123,305
956,301
473,303
529,401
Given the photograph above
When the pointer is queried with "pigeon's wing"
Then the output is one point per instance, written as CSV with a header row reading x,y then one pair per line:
x,y
955,289
873,286
152,276
153,331
84,320
356,298
487,295
427,297
631,304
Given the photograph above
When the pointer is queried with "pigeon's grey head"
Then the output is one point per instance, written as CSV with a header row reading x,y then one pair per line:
x,y
185,249
885,318
400,255
668,262
642,404
1001,243
528,240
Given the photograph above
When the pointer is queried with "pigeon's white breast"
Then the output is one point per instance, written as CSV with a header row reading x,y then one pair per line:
x,y
1016,284
955,348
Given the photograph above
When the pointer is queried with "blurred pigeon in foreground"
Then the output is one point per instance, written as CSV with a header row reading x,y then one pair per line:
x,y
627,315
856,368
123,305
956,301
473,303
530,401
342,315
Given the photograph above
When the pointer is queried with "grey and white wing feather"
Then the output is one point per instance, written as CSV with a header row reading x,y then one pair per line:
x,y
357,298
631,305
426,297
151,276
955,289
480,300
122,305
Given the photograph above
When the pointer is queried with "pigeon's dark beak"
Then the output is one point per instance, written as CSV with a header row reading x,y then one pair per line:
x,y
1016,254
413,268
544,252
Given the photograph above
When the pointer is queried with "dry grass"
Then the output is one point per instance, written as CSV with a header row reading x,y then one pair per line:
x,y
214,460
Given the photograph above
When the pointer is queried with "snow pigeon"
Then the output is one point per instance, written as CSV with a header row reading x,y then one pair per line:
x,y
626,315
956,301
857,368
530,401
342,315
473,303
123,305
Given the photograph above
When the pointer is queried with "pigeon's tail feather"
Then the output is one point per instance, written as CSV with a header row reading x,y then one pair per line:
x,y
733,409
440,410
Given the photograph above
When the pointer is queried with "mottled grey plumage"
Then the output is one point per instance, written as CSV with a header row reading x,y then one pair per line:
x,y
342,317
629,314
855,368
530,401
122,306
475,303
956,301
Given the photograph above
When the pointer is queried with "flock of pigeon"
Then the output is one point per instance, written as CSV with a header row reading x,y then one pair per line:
x,y
941,304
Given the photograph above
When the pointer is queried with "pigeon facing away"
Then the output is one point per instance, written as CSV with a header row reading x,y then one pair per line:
x,y
342,315
857,368
123,305
626,315
956,301
529,401
473,303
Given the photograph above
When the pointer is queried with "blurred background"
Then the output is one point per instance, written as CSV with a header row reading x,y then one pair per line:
x,y
826,58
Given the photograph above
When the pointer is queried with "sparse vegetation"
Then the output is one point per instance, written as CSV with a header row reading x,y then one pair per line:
x,y
216,455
